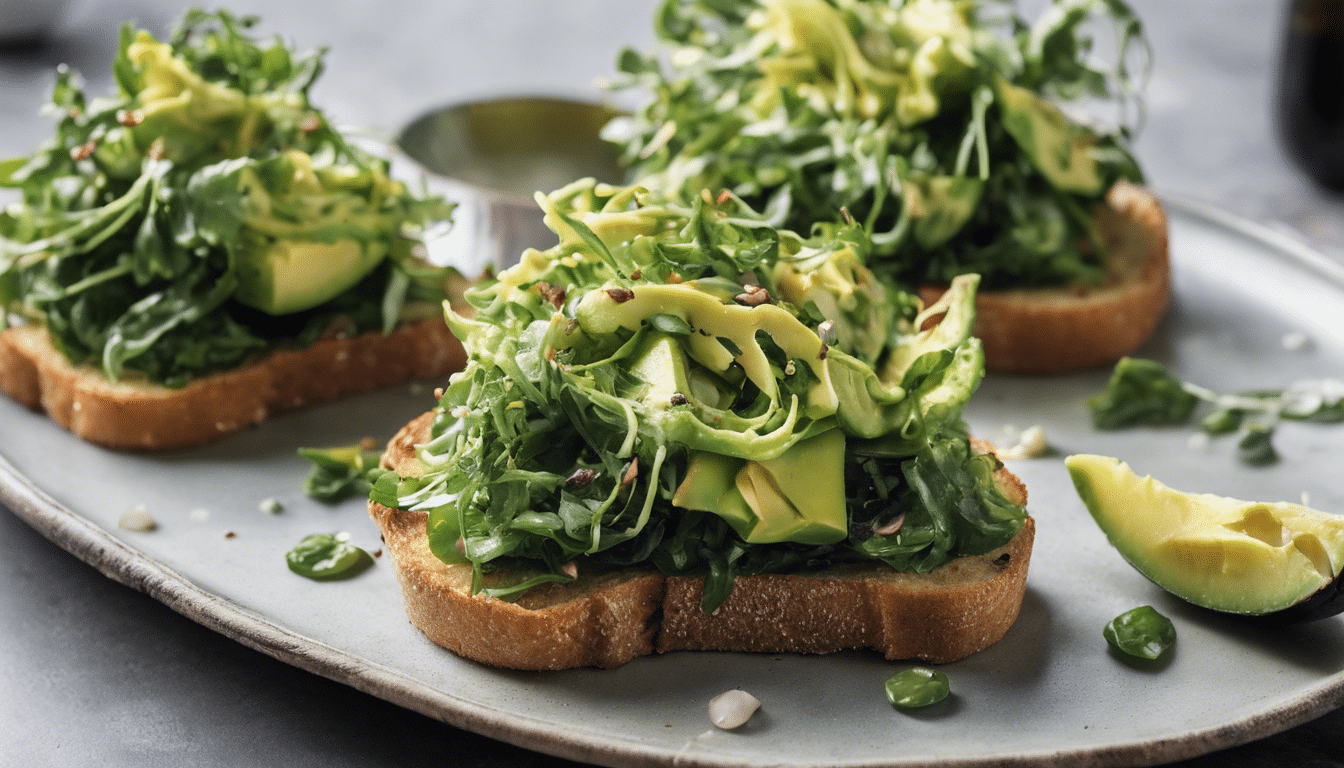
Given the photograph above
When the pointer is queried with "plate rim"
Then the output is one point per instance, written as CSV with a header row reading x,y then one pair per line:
x,y
122,563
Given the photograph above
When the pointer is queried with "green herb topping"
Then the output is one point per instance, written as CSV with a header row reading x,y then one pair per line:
x,y
1142,632
327,557
204,212
655,390
917,687
931,122
1144,392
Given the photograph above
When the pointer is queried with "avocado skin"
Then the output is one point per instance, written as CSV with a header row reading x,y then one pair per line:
x,y
1326,602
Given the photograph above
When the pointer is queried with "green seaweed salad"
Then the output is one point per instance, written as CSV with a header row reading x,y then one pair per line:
x,y
205,212
689,388
934,123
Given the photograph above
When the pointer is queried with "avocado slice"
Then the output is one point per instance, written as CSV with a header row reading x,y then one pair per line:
x,y
294,275
1060,149
663,369
798,497
1276,560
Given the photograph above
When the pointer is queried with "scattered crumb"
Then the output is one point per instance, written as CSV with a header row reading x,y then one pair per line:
x,y
343,536
1197,441
138,519
199,515
271,506
230,535
1294,341
1030,445
377,553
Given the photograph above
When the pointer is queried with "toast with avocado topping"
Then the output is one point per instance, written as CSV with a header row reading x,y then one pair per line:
x,y
203,249
680,414
937,125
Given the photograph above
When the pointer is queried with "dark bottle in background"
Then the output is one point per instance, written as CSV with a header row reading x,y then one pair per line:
x,y
1311,89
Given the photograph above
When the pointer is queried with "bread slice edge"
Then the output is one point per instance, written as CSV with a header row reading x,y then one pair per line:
x,y
141,416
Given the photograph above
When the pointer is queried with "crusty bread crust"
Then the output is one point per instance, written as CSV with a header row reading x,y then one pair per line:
x,y
1049,330
132,415
607,618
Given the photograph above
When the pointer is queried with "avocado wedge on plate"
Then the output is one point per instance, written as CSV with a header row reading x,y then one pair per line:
x,y
1275,561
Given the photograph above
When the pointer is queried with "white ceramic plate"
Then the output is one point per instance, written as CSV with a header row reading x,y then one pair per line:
x,y
1049,694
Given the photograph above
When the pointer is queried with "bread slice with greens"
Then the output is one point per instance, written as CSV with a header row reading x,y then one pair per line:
x,y
938,127
678,401
202,248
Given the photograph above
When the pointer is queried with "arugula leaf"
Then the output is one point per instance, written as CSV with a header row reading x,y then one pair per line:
x,y
1143,391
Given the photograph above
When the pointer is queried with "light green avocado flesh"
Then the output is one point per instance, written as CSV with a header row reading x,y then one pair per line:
x,y
292,275
1228,555
663,370
798,497
1060,150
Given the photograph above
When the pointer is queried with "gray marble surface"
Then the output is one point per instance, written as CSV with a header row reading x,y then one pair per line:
x,y
92,673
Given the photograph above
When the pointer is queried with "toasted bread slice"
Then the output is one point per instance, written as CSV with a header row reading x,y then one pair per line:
x,y
605,618
1057,330
134,415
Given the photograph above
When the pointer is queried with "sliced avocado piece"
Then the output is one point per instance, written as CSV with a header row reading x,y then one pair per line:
x,y
1276,560
1059,148
710,486
798,497
294,275
663,367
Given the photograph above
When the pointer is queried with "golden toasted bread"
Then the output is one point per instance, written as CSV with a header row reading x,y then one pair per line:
x,y
136,415
1057,330
605,618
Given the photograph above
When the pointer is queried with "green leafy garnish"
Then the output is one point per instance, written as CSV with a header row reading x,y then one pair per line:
x,y
341,473
1144,392
658,415
327,557
917,687
158,225
1141,632
932,123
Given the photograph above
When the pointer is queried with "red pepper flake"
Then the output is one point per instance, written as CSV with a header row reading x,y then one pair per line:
x,y
230,535
724,197
637,274
620,295
631,472
83,151
580,478
311,122
552,293
550,354
824,349
754,296
674,279
130,117
377,553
